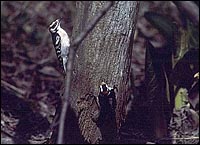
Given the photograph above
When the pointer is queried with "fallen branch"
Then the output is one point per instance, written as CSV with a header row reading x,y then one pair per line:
x,y
70,62
18,92
179,138
185,138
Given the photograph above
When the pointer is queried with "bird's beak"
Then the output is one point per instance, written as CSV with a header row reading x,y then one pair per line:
x,y
59,21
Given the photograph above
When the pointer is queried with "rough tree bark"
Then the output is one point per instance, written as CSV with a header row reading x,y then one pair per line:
x,y
105,55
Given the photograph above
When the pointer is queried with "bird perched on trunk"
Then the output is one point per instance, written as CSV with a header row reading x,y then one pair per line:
x,y
61,42
107,101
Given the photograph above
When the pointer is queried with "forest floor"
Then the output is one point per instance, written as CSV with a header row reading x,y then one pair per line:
x,y
21,124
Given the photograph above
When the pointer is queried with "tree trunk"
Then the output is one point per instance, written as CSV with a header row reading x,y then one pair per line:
x,y
105,55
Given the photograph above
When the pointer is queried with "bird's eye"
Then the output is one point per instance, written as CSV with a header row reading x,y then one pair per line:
x,y
54,25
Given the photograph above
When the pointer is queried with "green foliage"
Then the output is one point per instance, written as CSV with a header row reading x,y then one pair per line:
x,y
182,75
181,98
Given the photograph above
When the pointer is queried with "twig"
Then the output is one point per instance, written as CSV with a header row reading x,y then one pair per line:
x,y
183,138
91,25
8,134
18,92
190,9
150,142
187,138
70,62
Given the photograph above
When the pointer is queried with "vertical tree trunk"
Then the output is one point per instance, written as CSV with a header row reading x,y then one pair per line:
x,y
105,55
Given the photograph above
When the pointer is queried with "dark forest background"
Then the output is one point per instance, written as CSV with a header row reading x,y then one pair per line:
x,y
31,77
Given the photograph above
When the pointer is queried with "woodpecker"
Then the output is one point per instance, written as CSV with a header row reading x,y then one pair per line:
x,y
104,89
107,103
61,42
107,96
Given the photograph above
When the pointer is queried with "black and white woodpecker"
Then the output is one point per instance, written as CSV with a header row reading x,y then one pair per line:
x,y
61,42
107,97
107,103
